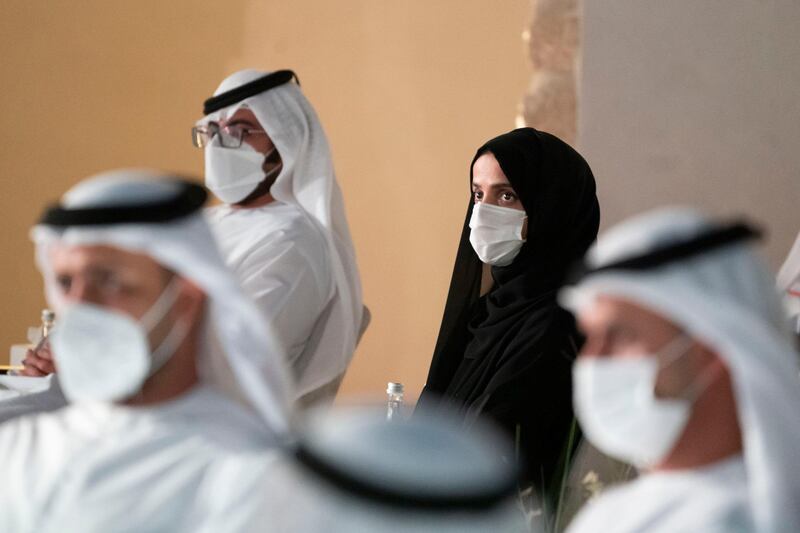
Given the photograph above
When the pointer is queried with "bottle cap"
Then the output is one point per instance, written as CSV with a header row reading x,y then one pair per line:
x,y
48,315
394,388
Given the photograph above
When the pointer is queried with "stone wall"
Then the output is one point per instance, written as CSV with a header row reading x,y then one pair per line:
x,y
552,40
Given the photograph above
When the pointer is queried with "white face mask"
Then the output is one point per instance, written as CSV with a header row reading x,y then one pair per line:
x,y
104,355
496,233
233,173
615,402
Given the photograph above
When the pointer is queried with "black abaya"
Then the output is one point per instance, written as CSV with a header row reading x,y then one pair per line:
x,y
507,355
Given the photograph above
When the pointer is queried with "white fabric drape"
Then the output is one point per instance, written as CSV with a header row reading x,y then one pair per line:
x,y
96,467
789,284
307,180
789,274
726,298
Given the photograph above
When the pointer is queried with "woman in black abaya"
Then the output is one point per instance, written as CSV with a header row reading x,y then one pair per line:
x,y
507,354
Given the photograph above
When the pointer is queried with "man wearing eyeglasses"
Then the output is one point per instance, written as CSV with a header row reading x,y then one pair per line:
x,y
234,148
282,226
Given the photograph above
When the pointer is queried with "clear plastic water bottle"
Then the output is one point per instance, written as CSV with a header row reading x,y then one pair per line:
x,y
48,319
37,336
394,405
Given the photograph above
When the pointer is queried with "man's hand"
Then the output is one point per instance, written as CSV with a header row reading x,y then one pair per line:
x,y
38,362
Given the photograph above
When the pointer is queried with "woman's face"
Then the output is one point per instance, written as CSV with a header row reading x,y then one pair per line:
x,y
490,185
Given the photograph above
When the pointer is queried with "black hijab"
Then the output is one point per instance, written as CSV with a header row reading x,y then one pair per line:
x,y
484,342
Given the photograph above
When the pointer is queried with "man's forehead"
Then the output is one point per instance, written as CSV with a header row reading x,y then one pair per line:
x,y
243,113
228,114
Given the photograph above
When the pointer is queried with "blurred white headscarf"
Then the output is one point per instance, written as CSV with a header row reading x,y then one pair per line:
x,y
239,356
725,298
307,180
789,284
353,472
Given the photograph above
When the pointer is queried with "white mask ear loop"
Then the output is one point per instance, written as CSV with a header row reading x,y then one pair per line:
x,y
277,168
703,382
674,350
679,347
269,154
169,345
161,354
161,306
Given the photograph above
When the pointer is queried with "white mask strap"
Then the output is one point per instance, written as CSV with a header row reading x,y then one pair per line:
x,y
701,383
169,345
277,168
674,350
268,154
161,306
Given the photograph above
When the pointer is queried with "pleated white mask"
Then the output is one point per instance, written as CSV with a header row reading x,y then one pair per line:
x,y
496,233
233,173
104,355
615,402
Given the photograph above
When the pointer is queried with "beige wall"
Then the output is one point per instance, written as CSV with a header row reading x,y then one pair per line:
x,y
406,91
694,102
86,88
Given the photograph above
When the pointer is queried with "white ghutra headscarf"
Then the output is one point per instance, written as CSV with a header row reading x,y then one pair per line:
x,y
239,354
726,298
307,180
789,284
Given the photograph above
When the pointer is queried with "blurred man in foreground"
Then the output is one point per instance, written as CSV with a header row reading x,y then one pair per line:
x,y
167,367
688,372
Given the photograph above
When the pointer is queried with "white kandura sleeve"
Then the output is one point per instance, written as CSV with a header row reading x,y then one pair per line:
x,y
33,454
279,276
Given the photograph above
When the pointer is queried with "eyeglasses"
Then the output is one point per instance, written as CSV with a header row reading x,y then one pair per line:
x,y
229,136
